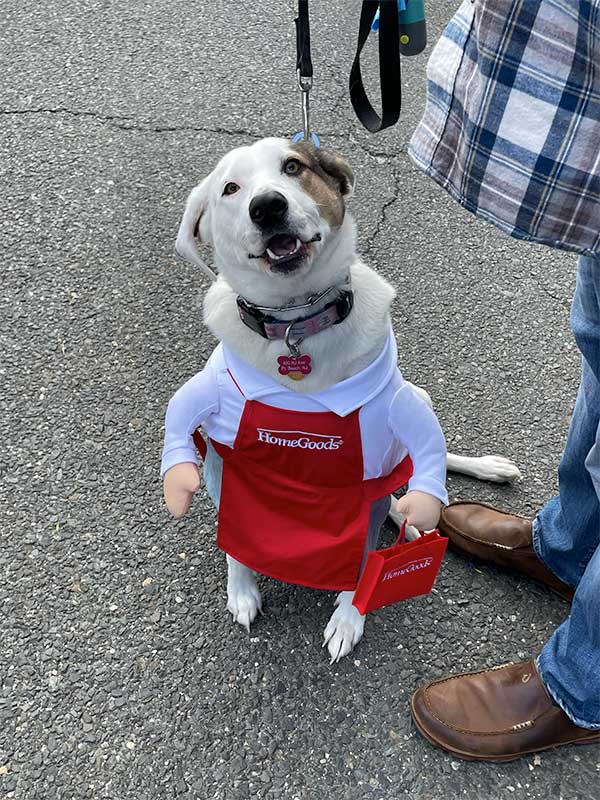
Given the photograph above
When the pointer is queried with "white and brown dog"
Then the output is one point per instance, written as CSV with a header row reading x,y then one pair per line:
x,y
275,215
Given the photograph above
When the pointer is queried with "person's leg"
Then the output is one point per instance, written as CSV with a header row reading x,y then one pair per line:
x,y
569,662
508,711
566,531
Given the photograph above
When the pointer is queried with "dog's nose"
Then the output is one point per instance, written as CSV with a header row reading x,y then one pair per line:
x,y
268,208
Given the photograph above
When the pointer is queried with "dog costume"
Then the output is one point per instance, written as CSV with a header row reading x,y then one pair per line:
x,y
302,481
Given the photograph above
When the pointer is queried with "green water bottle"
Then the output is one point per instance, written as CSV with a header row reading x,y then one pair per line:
x,y
412,27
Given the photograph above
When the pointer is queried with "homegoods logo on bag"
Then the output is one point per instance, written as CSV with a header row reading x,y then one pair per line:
x,y
412,566
301,439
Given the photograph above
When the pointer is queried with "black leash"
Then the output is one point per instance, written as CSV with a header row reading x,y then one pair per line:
x,y
389,66
303,61
304,67
401,28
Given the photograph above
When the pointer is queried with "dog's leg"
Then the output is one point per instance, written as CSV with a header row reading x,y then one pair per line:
x,y
487,468
243,598
345,627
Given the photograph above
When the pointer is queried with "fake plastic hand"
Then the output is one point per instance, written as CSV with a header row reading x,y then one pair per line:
x,y
181,483
420,509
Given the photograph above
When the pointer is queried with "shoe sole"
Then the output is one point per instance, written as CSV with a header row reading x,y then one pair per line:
x,y
474,757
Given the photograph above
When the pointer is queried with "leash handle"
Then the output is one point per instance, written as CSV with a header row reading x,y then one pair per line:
x,y
389,67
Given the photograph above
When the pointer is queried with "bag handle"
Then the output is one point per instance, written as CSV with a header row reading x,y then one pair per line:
x,y
389,66
402,535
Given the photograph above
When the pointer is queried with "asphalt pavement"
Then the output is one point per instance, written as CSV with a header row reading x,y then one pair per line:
x,y
123,675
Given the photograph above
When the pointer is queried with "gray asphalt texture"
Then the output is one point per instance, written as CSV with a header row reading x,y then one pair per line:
x,y
123,675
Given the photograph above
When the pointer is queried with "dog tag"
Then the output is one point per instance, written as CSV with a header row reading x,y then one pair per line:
x,y
295,367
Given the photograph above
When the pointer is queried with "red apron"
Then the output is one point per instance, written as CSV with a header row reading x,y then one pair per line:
x,y
294,504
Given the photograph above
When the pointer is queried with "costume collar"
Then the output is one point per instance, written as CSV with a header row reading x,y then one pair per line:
x,y
262,319
342,398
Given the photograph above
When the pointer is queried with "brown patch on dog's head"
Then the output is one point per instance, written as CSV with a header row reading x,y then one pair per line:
x,y
327,178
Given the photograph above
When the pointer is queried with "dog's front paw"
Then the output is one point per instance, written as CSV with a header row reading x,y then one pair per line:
x,y
497,469
243,597
244,604
345,628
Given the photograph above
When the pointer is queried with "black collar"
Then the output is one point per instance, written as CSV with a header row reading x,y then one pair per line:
x,y
270,327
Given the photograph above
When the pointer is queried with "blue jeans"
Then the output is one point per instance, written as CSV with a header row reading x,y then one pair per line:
x,y
566,532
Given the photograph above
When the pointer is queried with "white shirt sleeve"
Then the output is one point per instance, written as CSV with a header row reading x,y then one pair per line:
x,y
415,425
188,408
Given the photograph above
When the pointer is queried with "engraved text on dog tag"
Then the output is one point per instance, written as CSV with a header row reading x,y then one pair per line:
x,y
295,367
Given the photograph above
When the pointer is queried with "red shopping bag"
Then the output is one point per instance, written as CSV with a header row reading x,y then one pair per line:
x,y
406,569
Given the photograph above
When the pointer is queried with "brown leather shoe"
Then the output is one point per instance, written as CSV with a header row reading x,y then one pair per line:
x,y
494,715
481,531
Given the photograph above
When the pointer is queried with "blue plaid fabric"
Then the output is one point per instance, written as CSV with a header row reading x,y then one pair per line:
x,y
511,127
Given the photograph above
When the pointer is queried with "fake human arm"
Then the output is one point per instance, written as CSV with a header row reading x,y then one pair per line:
x,y
415,425
188,408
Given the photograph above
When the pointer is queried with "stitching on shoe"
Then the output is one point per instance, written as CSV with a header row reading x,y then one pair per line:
x,y
484,505
465,730
448,525
491,545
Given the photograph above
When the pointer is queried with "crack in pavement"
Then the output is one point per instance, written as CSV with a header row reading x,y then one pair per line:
x,y
121,122
370,241
380,153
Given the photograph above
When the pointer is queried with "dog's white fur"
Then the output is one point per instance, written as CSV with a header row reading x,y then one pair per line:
x,y
337,353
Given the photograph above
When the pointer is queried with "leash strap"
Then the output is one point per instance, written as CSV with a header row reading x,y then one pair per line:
x,y
389,66
304,71
303,60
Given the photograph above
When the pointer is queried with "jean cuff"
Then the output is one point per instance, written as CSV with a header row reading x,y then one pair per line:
x,y
553,692
537,541
536,536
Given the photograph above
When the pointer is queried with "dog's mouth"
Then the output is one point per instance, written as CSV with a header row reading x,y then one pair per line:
x,y
284,252
282,247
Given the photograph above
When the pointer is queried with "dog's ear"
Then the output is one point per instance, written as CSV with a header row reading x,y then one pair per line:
x,y
338,168
194,225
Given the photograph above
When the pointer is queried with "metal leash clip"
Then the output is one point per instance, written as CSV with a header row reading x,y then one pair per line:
x,y
304,72
305,83
293,347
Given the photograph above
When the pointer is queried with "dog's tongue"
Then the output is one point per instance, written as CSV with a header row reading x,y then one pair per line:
x,y
282,245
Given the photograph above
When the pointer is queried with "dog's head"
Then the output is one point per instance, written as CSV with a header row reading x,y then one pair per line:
x,y
269,210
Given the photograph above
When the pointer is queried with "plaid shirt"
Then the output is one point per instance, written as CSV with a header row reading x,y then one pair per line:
x,y
511,128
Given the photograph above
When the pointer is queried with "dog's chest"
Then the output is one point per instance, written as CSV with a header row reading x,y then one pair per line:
x,y
240,384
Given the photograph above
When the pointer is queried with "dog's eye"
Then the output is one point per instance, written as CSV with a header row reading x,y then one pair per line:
x,y
231,188
292,166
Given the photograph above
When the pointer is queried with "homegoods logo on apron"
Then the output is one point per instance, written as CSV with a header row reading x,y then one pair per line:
x,y
300,439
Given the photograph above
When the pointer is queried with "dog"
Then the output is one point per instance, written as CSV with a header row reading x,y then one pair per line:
x,y
284,244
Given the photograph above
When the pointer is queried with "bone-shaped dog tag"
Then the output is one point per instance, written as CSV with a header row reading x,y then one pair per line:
x,y
295,367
